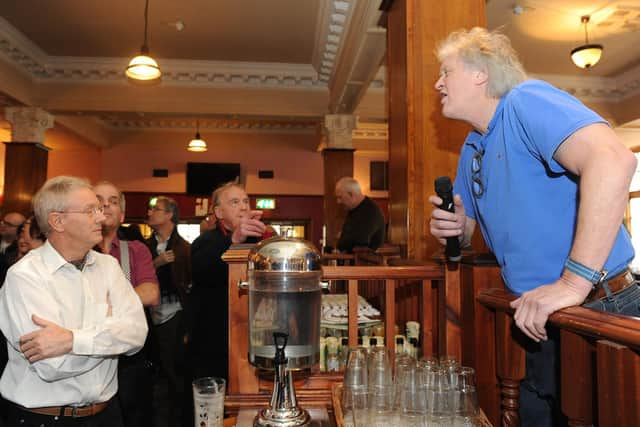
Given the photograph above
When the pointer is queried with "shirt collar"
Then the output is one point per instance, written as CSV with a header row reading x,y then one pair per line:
x,y
479,140
53,261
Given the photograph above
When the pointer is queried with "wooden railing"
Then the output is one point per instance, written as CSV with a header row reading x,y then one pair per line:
x,y
599,364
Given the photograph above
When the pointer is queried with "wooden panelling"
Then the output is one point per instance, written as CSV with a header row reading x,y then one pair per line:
x,y
422,143
25,172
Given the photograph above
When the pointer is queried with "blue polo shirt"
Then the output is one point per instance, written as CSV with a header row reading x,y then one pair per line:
x,y
528,211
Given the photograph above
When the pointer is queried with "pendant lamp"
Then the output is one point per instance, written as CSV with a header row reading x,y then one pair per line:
x,y
197,144
587,55
144,68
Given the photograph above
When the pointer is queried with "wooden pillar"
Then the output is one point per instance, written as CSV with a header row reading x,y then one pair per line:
x,y
422,143
338,162
25,171
26,158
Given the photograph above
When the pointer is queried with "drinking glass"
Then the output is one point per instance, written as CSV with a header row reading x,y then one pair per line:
x,y
360,407
413,398
208,401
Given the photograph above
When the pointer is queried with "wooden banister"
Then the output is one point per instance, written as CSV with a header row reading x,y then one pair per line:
x,y
599,357
584,321
427,272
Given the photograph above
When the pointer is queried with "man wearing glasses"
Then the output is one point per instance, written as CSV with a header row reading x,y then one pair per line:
x,y
67,312
547,181
8,241
172,260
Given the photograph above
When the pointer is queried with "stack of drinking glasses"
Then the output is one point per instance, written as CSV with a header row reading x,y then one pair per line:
x,y
424,393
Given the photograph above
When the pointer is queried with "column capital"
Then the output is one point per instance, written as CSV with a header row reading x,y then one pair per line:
x,y
338,129
28,123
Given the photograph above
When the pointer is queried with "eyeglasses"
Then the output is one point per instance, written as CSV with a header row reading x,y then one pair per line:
x,y
476,174
8,224
156,209
92,211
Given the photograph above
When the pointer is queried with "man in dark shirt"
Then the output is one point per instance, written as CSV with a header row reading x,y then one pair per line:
x,y
208,319
364,224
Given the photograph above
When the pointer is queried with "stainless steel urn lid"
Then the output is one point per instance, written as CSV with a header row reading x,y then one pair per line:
x,y
281,254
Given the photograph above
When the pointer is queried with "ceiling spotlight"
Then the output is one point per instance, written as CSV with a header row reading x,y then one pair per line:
x,y
587,55
144,68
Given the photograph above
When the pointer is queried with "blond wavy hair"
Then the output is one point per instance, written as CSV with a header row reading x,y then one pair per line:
x,y
490,51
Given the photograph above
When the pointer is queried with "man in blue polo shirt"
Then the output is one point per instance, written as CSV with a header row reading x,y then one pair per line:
x,y
547,181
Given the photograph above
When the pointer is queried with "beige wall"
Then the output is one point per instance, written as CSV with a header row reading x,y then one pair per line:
x,y
296,164
129,162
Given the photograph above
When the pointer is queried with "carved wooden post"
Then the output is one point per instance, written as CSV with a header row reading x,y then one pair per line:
x,y
511,369
576,372
618,385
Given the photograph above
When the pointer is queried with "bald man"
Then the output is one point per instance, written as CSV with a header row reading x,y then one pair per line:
x,y
364,224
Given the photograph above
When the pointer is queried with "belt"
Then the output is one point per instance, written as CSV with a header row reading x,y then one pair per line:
x,y
616,284
70,411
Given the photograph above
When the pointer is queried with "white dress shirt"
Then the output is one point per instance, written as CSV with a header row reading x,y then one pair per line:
x,y
44,284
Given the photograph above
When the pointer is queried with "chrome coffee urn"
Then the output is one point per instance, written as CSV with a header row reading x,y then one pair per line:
x,y
285,294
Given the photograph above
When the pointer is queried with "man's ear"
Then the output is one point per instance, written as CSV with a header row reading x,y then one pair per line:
x,y
481,77
56,221
216,211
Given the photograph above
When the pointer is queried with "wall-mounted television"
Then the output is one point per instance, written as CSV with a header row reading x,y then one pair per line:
x,y
203,178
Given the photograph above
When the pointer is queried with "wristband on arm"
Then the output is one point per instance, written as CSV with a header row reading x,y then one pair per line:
x,y
595,277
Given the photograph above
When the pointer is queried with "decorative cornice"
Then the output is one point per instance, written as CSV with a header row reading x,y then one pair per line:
x,y
215,125
598,89
31,60
377,131
333,19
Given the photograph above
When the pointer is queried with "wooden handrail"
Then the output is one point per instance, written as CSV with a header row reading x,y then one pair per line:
x,y
624,330
427,272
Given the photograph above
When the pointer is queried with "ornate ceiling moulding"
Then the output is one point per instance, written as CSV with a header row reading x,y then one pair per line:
x,y
598,89
333,20
29,58
371,131
216,125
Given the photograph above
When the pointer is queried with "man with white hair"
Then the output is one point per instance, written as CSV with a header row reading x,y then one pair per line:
x,y
67,312
364,224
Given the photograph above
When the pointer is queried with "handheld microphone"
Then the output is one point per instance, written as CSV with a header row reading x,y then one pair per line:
x,y
444,190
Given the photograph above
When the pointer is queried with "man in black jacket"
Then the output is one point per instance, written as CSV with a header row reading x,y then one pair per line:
x,y
208,320
364,224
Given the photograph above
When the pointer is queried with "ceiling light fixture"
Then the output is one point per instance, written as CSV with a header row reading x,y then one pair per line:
x,y
587,55
197,144
144,68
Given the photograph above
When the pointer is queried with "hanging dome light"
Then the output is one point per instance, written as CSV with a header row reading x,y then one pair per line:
x,y
143,68
587,55
197,144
